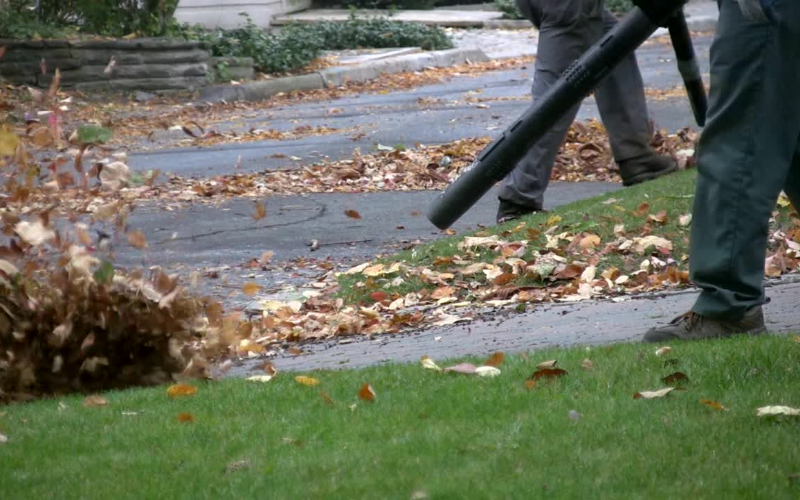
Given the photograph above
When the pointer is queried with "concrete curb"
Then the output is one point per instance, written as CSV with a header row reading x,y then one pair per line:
x,y
338,75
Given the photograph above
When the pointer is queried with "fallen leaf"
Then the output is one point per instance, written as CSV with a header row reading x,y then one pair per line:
x,y
179,390
659,218
548,373
115,175
530,384
352,214
676,378
251,288
642,210
366,393
265,258
237,466
3,438
487,371
306,381
587,364
640,245
185,417
94,400
378,296
495,359
574,416
774,411
553,220
713,404
664,350
550,363
261,211
443,292
429,364
653,394
8,142
137,240
260,378
327,398
589,242
685,220
465,368
34,233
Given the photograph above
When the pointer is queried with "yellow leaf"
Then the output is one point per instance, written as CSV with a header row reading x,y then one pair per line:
x,y
429,364
178,390
587,364
553,220
366,393
306,381
8,142
94,401
589,241
251,288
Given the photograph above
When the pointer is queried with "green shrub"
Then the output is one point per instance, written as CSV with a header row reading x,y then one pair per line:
x,y
509,9
298,45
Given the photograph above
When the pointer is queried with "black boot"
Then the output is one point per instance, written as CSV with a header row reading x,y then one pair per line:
x,y
508,211
645,168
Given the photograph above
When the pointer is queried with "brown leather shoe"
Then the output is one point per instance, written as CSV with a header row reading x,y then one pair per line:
x,y
645,168
692,326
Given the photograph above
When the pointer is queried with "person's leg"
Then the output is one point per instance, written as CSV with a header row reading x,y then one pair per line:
x,y
559,45
622,105
745,156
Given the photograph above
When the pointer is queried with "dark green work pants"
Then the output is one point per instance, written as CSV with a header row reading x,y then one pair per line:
x,y
748,152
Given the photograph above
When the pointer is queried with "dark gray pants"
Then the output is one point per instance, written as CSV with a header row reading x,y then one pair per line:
x,y
567,28
749,151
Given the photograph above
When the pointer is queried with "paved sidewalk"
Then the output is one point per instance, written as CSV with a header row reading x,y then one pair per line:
x,y
585,323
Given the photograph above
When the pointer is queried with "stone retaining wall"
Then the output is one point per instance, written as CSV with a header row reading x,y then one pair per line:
x,y
144,64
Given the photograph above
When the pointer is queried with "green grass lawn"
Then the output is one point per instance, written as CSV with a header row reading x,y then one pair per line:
x,y
431,434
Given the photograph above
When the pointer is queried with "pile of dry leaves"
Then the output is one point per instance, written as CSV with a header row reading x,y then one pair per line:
x,y
69,320
585,156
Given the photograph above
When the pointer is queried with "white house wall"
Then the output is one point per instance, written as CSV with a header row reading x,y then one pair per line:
x,y
225,13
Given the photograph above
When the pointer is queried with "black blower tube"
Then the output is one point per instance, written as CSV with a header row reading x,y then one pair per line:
x,y
500,157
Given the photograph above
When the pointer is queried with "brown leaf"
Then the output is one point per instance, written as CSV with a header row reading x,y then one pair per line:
x,y
265,258
570,272
179,390
261,211
589,242
495,359
443,292
642,210
675,379
94,400
185,417
366,393
327,398
587,364
352,214
713,404
137,240
465,368
504,279
530,384
251,288
659,218
378,296
548,373
306,381
55,84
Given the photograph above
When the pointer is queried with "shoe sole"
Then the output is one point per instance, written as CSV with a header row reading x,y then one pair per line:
x,y
649,176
